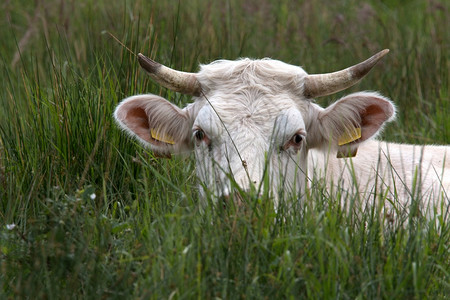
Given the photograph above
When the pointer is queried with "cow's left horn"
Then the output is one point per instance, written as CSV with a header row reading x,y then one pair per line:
x,y
177,81
325,84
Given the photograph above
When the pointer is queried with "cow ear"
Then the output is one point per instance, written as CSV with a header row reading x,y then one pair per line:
x,y
353,119
155,122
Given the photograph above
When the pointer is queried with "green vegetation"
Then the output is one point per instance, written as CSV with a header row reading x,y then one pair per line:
x,y
85,212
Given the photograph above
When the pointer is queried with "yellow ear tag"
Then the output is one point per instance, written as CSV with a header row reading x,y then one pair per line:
x,y
162,138
349,137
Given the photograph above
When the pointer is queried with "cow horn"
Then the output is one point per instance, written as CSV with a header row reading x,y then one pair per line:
x,y
325,84
177,81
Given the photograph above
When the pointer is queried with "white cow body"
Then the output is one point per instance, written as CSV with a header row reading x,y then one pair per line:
x,y
255,118
395,173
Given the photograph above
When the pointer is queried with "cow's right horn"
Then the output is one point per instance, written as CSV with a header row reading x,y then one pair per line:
x,y
177,81
325,84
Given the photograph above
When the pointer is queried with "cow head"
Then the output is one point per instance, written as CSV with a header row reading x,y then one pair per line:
x,y
254,119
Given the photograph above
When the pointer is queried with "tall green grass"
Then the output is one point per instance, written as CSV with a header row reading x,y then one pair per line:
x,y
87,213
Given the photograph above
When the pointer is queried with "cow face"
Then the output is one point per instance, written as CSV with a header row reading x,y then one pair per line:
x,y
253,120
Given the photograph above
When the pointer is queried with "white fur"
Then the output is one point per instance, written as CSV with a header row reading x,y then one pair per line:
x,y
397,174
251,109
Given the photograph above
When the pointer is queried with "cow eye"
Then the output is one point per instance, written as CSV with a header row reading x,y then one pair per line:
x,y
297,139
294,142
199,135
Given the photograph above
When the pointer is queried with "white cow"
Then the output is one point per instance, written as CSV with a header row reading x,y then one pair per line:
x,y
255,118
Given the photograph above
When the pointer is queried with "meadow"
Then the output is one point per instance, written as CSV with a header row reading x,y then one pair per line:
x,y
86,212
